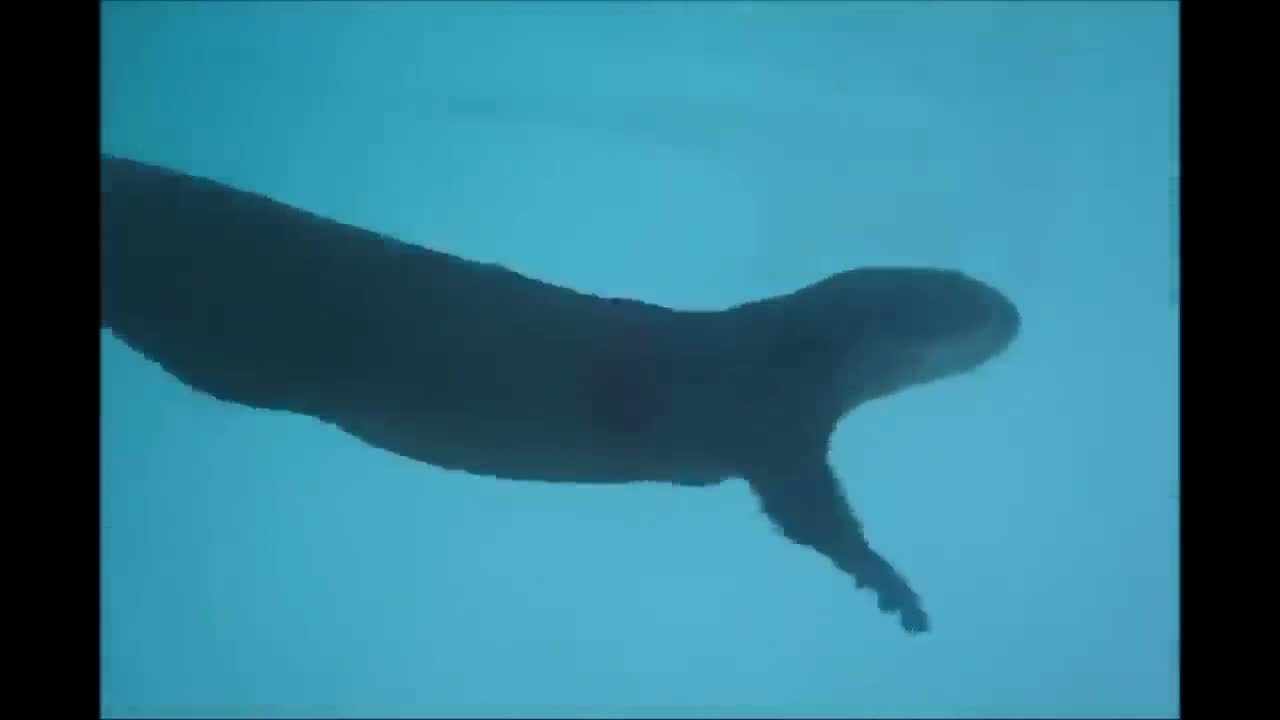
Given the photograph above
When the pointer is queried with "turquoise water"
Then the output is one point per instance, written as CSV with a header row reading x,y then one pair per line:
x,y
266,565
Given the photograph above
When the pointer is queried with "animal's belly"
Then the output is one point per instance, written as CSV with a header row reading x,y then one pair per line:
x,y
559,397
549,443
534,417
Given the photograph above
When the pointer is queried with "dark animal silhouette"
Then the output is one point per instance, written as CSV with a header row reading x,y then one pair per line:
x,y
474,367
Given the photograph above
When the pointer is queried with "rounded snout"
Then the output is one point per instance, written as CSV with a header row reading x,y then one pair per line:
x,y
1004,322
941,322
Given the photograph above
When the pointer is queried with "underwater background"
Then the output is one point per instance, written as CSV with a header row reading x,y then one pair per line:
x,y
695,155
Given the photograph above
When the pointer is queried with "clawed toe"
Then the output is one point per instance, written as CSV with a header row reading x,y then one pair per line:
x,y
893,595
915,620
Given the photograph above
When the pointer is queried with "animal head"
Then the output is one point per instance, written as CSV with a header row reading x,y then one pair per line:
x,y
871,332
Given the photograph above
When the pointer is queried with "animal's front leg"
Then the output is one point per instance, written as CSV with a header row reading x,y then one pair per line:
x,y
807,506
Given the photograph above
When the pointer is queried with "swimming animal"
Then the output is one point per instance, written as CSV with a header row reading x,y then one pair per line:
x,y
474,367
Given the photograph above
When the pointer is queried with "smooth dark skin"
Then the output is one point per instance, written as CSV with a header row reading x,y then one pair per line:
x,y
474,367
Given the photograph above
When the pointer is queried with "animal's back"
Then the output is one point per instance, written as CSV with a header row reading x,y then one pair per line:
x,y
236,295
461,364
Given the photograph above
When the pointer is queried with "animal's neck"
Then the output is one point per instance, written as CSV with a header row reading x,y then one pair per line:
x,y
768,408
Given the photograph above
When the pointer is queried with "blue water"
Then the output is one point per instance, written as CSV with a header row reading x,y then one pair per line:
x,y
695,155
